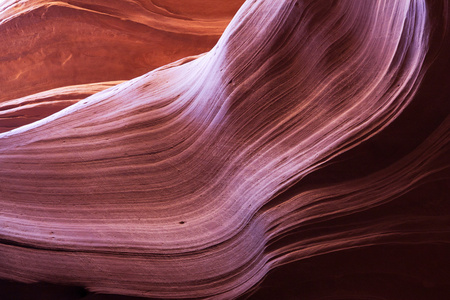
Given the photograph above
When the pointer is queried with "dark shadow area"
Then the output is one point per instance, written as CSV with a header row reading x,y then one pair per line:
x,y
413,272
10,290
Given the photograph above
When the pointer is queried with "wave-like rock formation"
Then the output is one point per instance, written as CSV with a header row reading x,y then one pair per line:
x,y
311,129
53,44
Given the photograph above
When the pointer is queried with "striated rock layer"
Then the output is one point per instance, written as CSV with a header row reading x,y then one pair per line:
x,y
311,128
52,44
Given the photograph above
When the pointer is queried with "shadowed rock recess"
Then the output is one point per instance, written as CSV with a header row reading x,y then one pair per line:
x,y
305,155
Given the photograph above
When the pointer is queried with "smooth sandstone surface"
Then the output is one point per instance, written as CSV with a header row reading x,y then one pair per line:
x,y
176,164
53,44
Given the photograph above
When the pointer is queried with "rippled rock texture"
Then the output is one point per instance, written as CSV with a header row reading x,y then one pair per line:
x,y
48,45
304,156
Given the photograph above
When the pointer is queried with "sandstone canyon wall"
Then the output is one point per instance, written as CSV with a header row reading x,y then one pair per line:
x,y
200,149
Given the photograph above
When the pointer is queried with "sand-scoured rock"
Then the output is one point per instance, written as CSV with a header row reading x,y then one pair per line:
x,y
53,44
196,179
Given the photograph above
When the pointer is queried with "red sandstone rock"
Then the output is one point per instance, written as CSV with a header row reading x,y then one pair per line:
x,y
194,180
52,44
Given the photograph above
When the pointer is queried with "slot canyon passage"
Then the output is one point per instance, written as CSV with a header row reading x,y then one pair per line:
x,y
259,149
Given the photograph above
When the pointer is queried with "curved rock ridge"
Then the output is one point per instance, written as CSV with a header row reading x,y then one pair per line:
x,y
51,44
191,181
28,109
